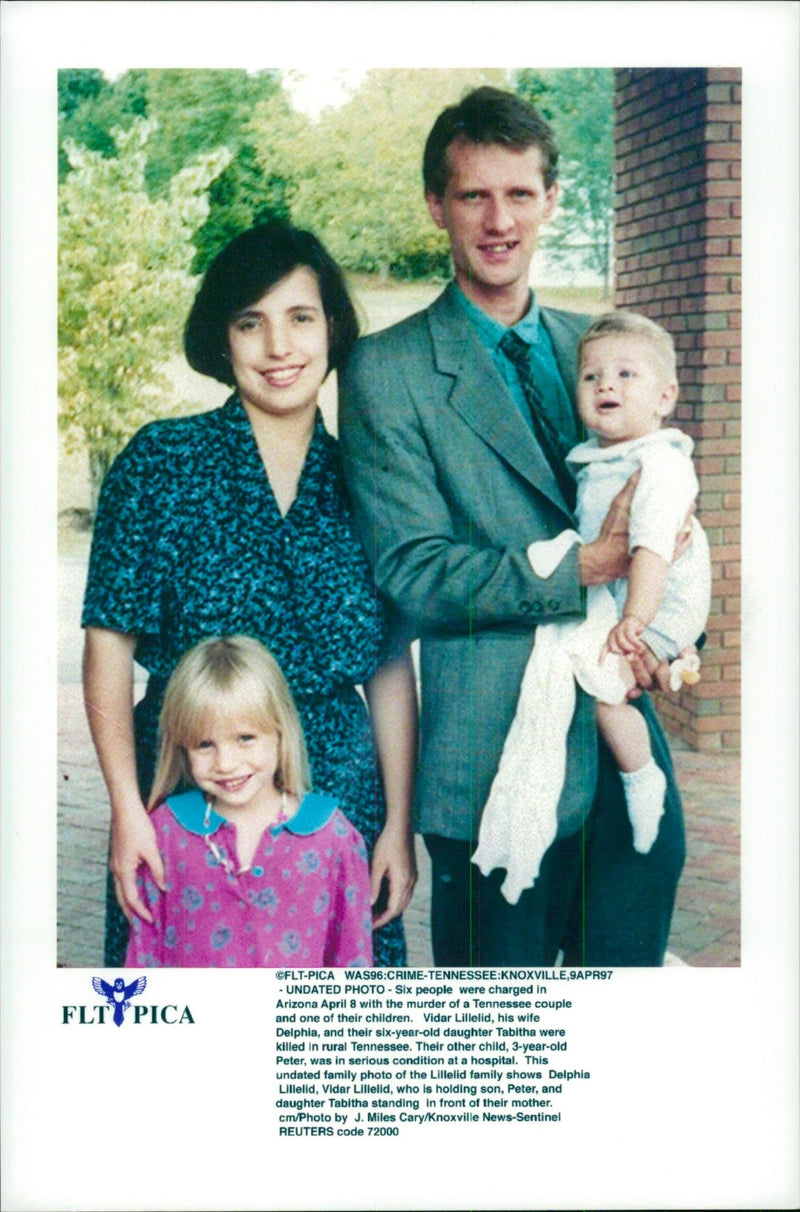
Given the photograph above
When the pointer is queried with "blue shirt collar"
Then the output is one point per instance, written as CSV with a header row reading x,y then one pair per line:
x,y
191,810
491,331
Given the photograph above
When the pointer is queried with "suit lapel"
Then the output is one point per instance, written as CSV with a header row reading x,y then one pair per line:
x,y
565,345
482,399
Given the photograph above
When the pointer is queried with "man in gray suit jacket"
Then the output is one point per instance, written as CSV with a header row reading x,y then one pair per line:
x,y
453,442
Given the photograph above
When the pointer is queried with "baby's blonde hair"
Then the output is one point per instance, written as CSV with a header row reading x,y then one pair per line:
x,y
640,326
233,676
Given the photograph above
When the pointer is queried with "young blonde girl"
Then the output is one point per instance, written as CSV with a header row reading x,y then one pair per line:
x,y
260,870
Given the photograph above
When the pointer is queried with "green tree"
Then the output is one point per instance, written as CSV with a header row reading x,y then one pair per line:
x,y
124,288
354,176
76,85
241,196
90,107
195,112
579,103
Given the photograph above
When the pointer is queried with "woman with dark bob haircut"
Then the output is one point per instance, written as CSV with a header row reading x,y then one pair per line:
x,y
237,521
245,270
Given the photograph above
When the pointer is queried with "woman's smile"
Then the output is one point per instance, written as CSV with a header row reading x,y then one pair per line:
x,y
282,376
278,347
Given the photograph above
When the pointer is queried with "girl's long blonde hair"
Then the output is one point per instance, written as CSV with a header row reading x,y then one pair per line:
x,y
232,676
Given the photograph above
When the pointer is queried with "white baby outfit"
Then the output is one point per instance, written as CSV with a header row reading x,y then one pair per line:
x,y
520,821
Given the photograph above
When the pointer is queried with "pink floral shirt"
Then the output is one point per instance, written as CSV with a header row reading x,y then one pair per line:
x,y
303,902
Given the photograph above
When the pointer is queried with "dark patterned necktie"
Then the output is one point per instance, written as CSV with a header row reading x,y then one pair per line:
x,y
516,350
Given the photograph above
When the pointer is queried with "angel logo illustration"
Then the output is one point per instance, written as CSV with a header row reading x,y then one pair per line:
x,y
119,994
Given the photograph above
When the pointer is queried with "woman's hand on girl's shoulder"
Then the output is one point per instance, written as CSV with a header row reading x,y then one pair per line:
x,y
133,843
393,860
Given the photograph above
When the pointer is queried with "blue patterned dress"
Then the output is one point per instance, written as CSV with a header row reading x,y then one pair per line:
x,y
189,542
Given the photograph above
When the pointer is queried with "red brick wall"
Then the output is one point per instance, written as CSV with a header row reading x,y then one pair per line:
x,y
678,260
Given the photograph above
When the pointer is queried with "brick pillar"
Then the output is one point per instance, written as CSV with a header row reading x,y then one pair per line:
x,y
678,260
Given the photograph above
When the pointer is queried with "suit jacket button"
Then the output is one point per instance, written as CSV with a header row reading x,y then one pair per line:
x,y
538,607
525,607
553,604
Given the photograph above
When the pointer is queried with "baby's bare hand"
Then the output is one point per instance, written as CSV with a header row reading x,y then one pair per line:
x,y
624,639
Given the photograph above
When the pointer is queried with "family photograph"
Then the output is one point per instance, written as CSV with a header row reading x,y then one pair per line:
x,y
488,532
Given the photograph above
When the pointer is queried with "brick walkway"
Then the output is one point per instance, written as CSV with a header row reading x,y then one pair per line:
x,y
705,931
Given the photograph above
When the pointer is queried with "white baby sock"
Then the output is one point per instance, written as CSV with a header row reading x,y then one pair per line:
x,y
644,795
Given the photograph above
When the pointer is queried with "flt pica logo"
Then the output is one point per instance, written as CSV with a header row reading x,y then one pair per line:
x,y
118,1002
119,994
